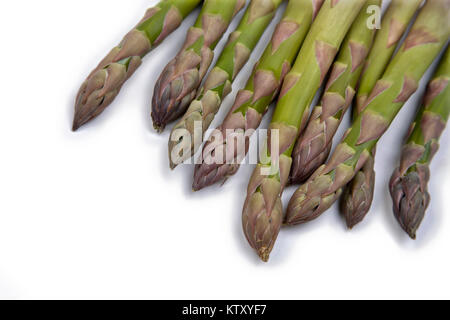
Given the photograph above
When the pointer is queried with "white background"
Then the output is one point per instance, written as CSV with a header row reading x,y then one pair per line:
x,y
98,213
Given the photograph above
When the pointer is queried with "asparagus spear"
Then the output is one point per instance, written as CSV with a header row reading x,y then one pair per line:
x,y
313,146
218,84
409,181
105,82
427,37
179,81
393,26
262,213
358,195
261,88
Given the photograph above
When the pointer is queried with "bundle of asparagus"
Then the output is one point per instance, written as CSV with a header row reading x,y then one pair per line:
x,y
218,84
427,37
262,87
409,181
340,29
180,79
262,213
105,82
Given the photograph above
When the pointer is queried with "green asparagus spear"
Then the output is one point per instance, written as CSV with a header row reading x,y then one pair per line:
x,y
235,55
179,81
409,181
313,146
427,37
262,213
395,21
105,82
358,195
261,89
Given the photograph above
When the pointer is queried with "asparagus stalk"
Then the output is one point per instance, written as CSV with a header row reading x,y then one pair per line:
x,y
235,55
313,146
104,83
261,89
427,37
179,81
409,181
262,213
393,26
358,195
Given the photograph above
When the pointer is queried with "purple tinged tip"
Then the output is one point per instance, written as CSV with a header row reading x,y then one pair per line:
x,y
75,126
78,123
410,201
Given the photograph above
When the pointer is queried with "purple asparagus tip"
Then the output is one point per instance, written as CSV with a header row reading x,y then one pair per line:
x,y
410,200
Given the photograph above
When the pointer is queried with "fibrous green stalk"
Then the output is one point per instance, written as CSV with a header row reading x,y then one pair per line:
x,y
178,83
217,86
393,26
314,144
262,213
427,37
358,195
253,101
409,181
105,82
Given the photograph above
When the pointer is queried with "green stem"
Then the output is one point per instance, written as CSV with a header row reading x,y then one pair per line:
x,y
314,60
313,146
393,26
409,182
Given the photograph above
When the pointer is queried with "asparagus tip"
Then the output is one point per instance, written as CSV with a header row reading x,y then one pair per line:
x,y
264,254
412,234
172,165
199,184
76,125
159,127
196,187
352,221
